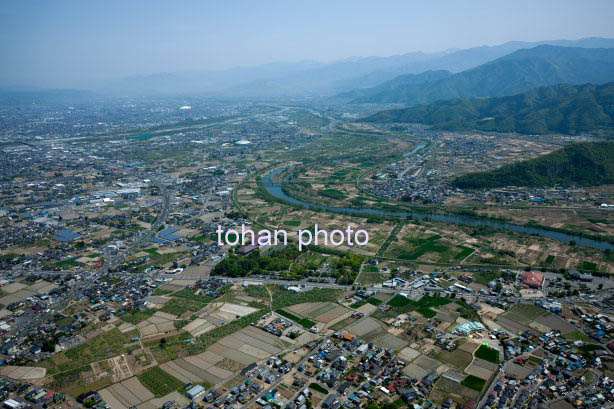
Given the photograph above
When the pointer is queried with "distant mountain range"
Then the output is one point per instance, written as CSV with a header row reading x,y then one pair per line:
x,y
511,74
320,79
562,108
581,164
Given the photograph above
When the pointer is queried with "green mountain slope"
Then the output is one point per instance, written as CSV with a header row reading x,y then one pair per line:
x,y
508,75
583,164
403,83
561,108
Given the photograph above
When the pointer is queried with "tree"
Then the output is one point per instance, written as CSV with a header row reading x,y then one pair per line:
x,y
163,343
48,346
89,402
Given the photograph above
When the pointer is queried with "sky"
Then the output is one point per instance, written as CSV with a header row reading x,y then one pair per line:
x,y
83,43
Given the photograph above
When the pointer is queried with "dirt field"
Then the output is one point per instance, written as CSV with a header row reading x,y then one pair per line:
x,y
125,394
23,372
555,322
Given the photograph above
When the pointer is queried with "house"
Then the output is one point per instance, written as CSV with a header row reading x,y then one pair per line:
x,y
244,250
195,392
331,402
532,279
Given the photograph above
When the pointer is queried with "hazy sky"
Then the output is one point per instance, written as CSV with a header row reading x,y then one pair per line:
x,y
59,43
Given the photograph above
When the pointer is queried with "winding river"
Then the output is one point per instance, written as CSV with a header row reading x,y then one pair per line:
x,y
275,189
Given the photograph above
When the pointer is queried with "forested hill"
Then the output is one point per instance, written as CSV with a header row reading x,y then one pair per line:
x,y
512,74
564,108
403,84
581,164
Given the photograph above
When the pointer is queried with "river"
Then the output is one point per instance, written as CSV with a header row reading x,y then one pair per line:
x,y
275,189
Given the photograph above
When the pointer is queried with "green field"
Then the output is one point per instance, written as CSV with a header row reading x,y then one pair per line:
x,y
288,315
136,316
178,306
549,259
473,382
161,291
487,353
367,278
358,304
284,298
577,336
332,194
103,346
457,358
524,313
318,388
304,322
257,291
588,266
485,277
590,347
294,223
403,305
71,262
464,252
374,301
430,247
427,312
159,382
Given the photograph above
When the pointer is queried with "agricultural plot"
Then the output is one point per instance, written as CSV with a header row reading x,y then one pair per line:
x,y
16,296
179,306
458,358
159,323
421,366
524,313
424,306
408,354
473,382
364,327
523,317
342,323
555,322
419,245
126,327
445,388
487,353
481,368
518,371
372,330
23,372
130,392
222,359
325,312
199,326
371,300
389,341
159,382
102,346
370,277
304,322
228,311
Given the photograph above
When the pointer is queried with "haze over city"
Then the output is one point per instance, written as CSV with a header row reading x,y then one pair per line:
x,y
77,44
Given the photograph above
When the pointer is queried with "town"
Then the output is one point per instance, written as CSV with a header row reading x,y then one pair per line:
x,y
329,205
